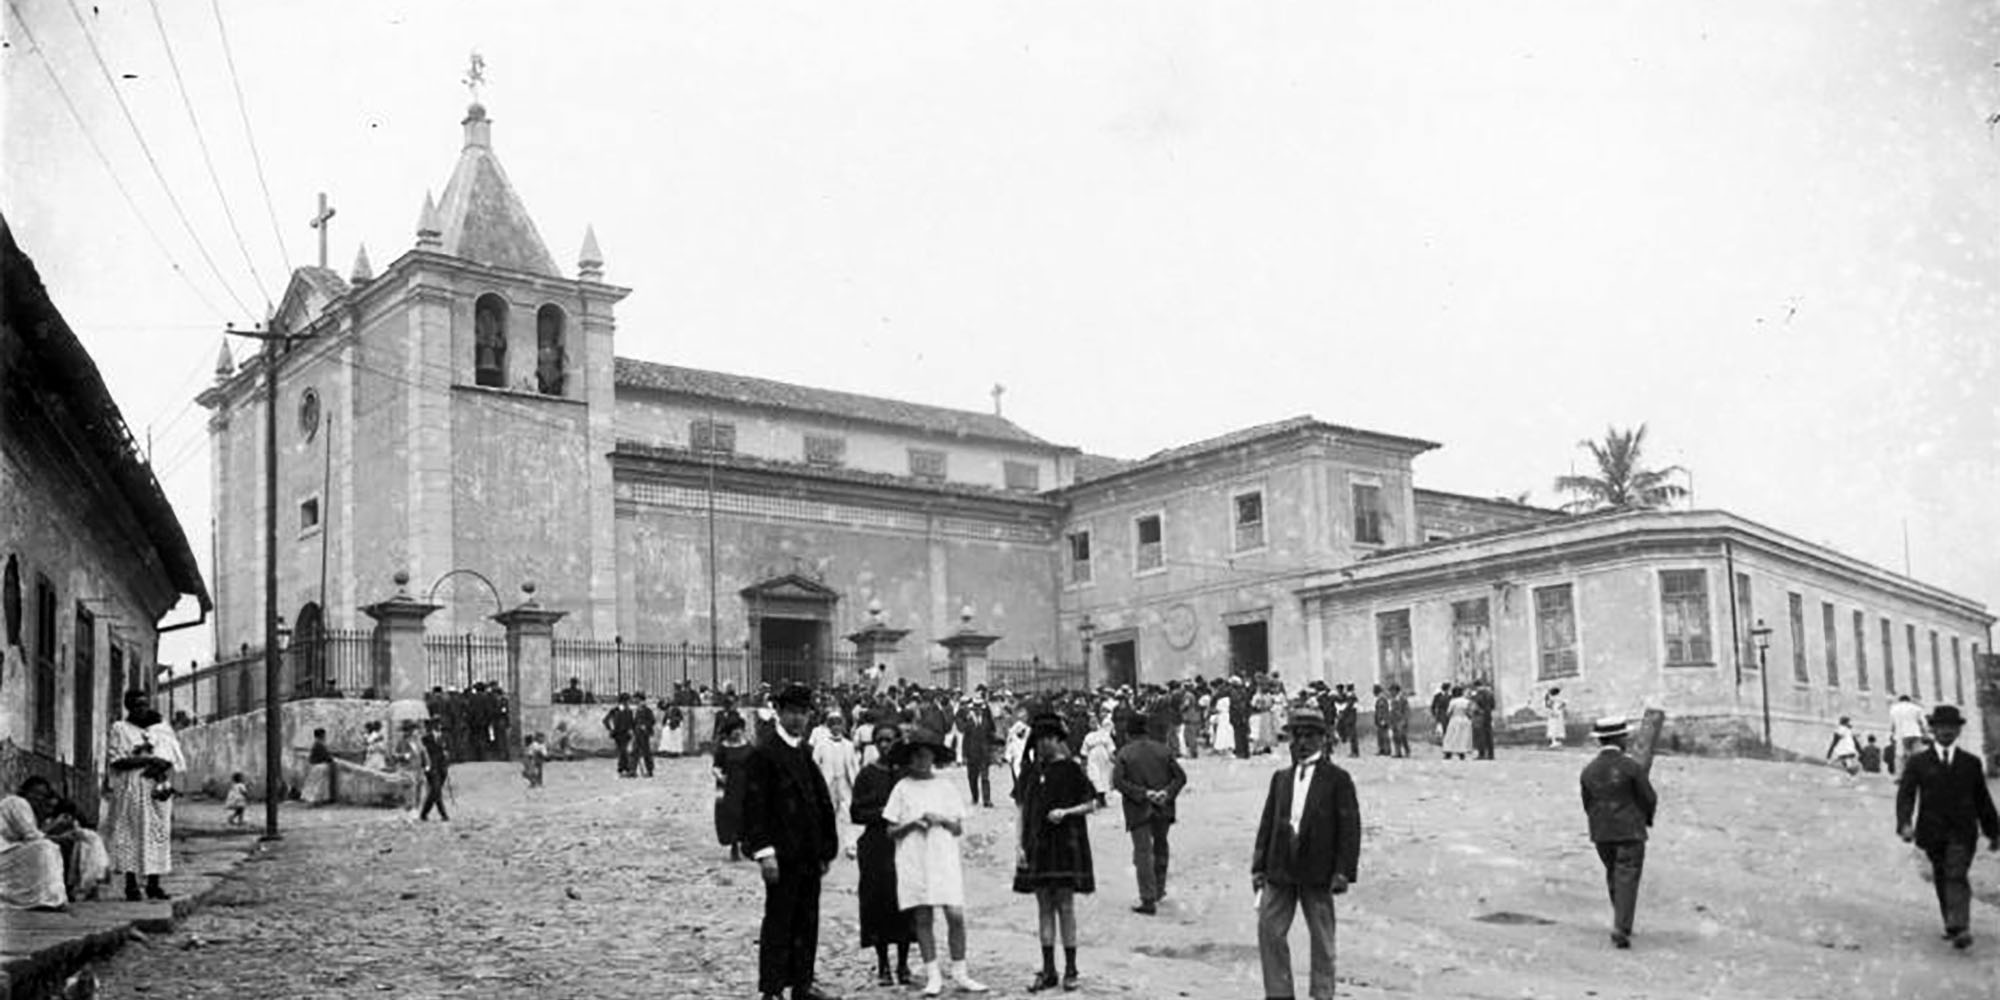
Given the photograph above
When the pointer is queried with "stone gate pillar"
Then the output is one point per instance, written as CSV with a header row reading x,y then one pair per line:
x,y
876,645
400,672
967,651
531,682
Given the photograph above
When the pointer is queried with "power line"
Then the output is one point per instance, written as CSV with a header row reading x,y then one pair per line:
x,y
207,159
91,138
243,110
172,199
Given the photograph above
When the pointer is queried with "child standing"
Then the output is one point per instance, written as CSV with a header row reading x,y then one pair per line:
x,y
1053,860
237,800
532,757
926,818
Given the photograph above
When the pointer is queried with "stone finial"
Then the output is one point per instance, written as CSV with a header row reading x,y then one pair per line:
x,y
528,594
965,617
590,262
875,611
430,235
225,365
402,579
363,272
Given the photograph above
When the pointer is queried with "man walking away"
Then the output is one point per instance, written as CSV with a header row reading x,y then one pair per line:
x,y
1483,707
1619,802
1308,848
437,767
643,724
1399,721
1906,731
1350,720
618,722
1945,788
1149,779
788,827
1441,709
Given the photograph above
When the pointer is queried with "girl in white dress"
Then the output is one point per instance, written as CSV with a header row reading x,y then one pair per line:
x,y
1554,728
926,818
1098,748
1224,740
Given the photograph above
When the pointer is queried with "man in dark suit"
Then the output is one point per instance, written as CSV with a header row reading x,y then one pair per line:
x,y
788,828
1308,848
975,746
1946,789
644,722
1149,779
1618,800
1483,707
618,722
1382,748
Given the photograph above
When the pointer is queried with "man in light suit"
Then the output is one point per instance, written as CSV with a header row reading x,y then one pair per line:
x,y
1618,800
1946,788
1308,848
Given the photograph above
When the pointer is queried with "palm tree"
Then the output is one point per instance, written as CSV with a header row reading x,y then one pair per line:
x,y
1621,482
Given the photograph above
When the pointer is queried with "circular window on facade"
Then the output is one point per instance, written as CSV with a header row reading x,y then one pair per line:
x,y
308,414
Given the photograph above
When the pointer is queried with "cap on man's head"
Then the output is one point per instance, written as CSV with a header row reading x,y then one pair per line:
x,y
793,696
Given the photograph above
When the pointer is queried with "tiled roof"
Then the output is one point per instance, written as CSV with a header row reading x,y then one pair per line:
x,y
1097,466
1237,437
747,391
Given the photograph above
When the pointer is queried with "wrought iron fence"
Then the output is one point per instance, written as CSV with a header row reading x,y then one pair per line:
x,y
1035,675
595,670
338,663
457,662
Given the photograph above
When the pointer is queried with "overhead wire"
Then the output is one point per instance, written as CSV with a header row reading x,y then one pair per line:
x,y
257,160
207,158
133,122
105,160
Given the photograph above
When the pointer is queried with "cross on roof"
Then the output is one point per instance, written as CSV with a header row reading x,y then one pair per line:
x,y
319,222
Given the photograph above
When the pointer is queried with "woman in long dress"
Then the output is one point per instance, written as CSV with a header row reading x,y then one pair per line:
x,y
1225,731
1458,724
375,747
31,865
142,755
732,774
926,817
1098,747
1554,726
883,922
1053,860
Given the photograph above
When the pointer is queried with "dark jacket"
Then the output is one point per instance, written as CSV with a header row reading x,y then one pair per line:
x,y
786,805
1328,840
619,721
1143,765
975,733
1955,803
1618,798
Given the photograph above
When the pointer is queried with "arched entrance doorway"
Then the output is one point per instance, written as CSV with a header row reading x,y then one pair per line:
x,y
791,627
308,655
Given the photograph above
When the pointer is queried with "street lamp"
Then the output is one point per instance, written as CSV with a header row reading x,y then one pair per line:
x,y
1088,630
1761,635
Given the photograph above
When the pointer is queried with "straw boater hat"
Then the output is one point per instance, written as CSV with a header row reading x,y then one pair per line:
x,y
1303,719
1945,715
1610,727
918,736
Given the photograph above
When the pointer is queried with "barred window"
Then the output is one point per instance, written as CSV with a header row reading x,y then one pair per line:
x,y
1684,617
1368,513
1149,552
1396,663
1888,657
1079,557
927,464
1957,673
1746,652
1860,650
1916,678
1555,632
1249,517
1830,626
826,450
1797,606
1024,476
712,435
1471,640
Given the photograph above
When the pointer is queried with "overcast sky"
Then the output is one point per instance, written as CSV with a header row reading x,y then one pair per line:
x,y
1767,230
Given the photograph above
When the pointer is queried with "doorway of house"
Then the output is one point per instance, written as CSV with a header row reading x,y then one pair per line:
x,y
1250,649
1121,663
786,650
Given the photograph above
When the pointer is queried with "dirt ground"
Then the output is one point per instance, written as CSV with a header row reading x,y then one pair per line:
x,y
1762,881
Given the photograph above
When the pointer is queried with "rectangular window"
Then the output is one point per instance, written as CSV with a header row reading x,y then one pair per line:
x,y
1079,557
1396,662
1249,520
712,435
83,707
45,665
827,451
1888,657
1025,477
1149,551
1555,633
1860,650
309,514
1937,670
1746,653
1367,514
1830,625
1797,606
1471,641
1684,617
927,464
1957,674
1916,678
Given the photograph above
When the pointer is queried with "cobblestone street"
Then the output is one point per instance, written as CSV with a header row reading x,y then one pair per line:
x,y
1763,881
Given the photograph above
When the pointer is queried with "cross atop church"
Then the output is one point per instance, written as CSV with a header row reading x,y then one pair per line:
x,y
319,222
998,391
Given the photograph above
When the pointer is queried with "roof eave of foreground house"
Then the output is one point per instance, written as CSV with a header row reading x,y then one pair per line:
x,y
1454,556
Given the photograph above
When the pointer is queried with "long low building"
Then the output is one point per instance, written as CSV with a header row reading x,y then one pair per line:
x,y
1632,609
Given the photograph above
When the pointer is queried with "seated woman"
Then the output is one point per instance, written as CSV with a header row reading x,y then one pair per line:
x,y
31,864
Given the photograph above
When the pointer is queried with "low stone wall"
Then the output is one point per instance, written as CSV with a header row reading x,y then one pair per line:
x,y
216,750
588,736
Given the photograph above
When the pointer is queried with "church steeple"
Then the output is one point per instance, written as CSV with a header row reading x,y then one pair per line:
x,y
479,217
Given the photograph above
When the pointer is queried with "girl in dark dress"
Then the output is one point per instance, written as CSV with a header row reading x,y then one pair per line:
x,y
732,759
1053,860
883,921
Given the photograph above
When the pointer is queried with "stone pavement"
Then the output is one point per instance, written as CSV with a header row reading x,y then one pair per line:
x,y
39,950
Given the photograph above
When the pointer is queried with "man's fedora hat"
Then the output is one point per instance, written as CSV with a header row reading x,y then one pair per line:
x,y
1047,724
1611,727
1946,715
1305,720
793,696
